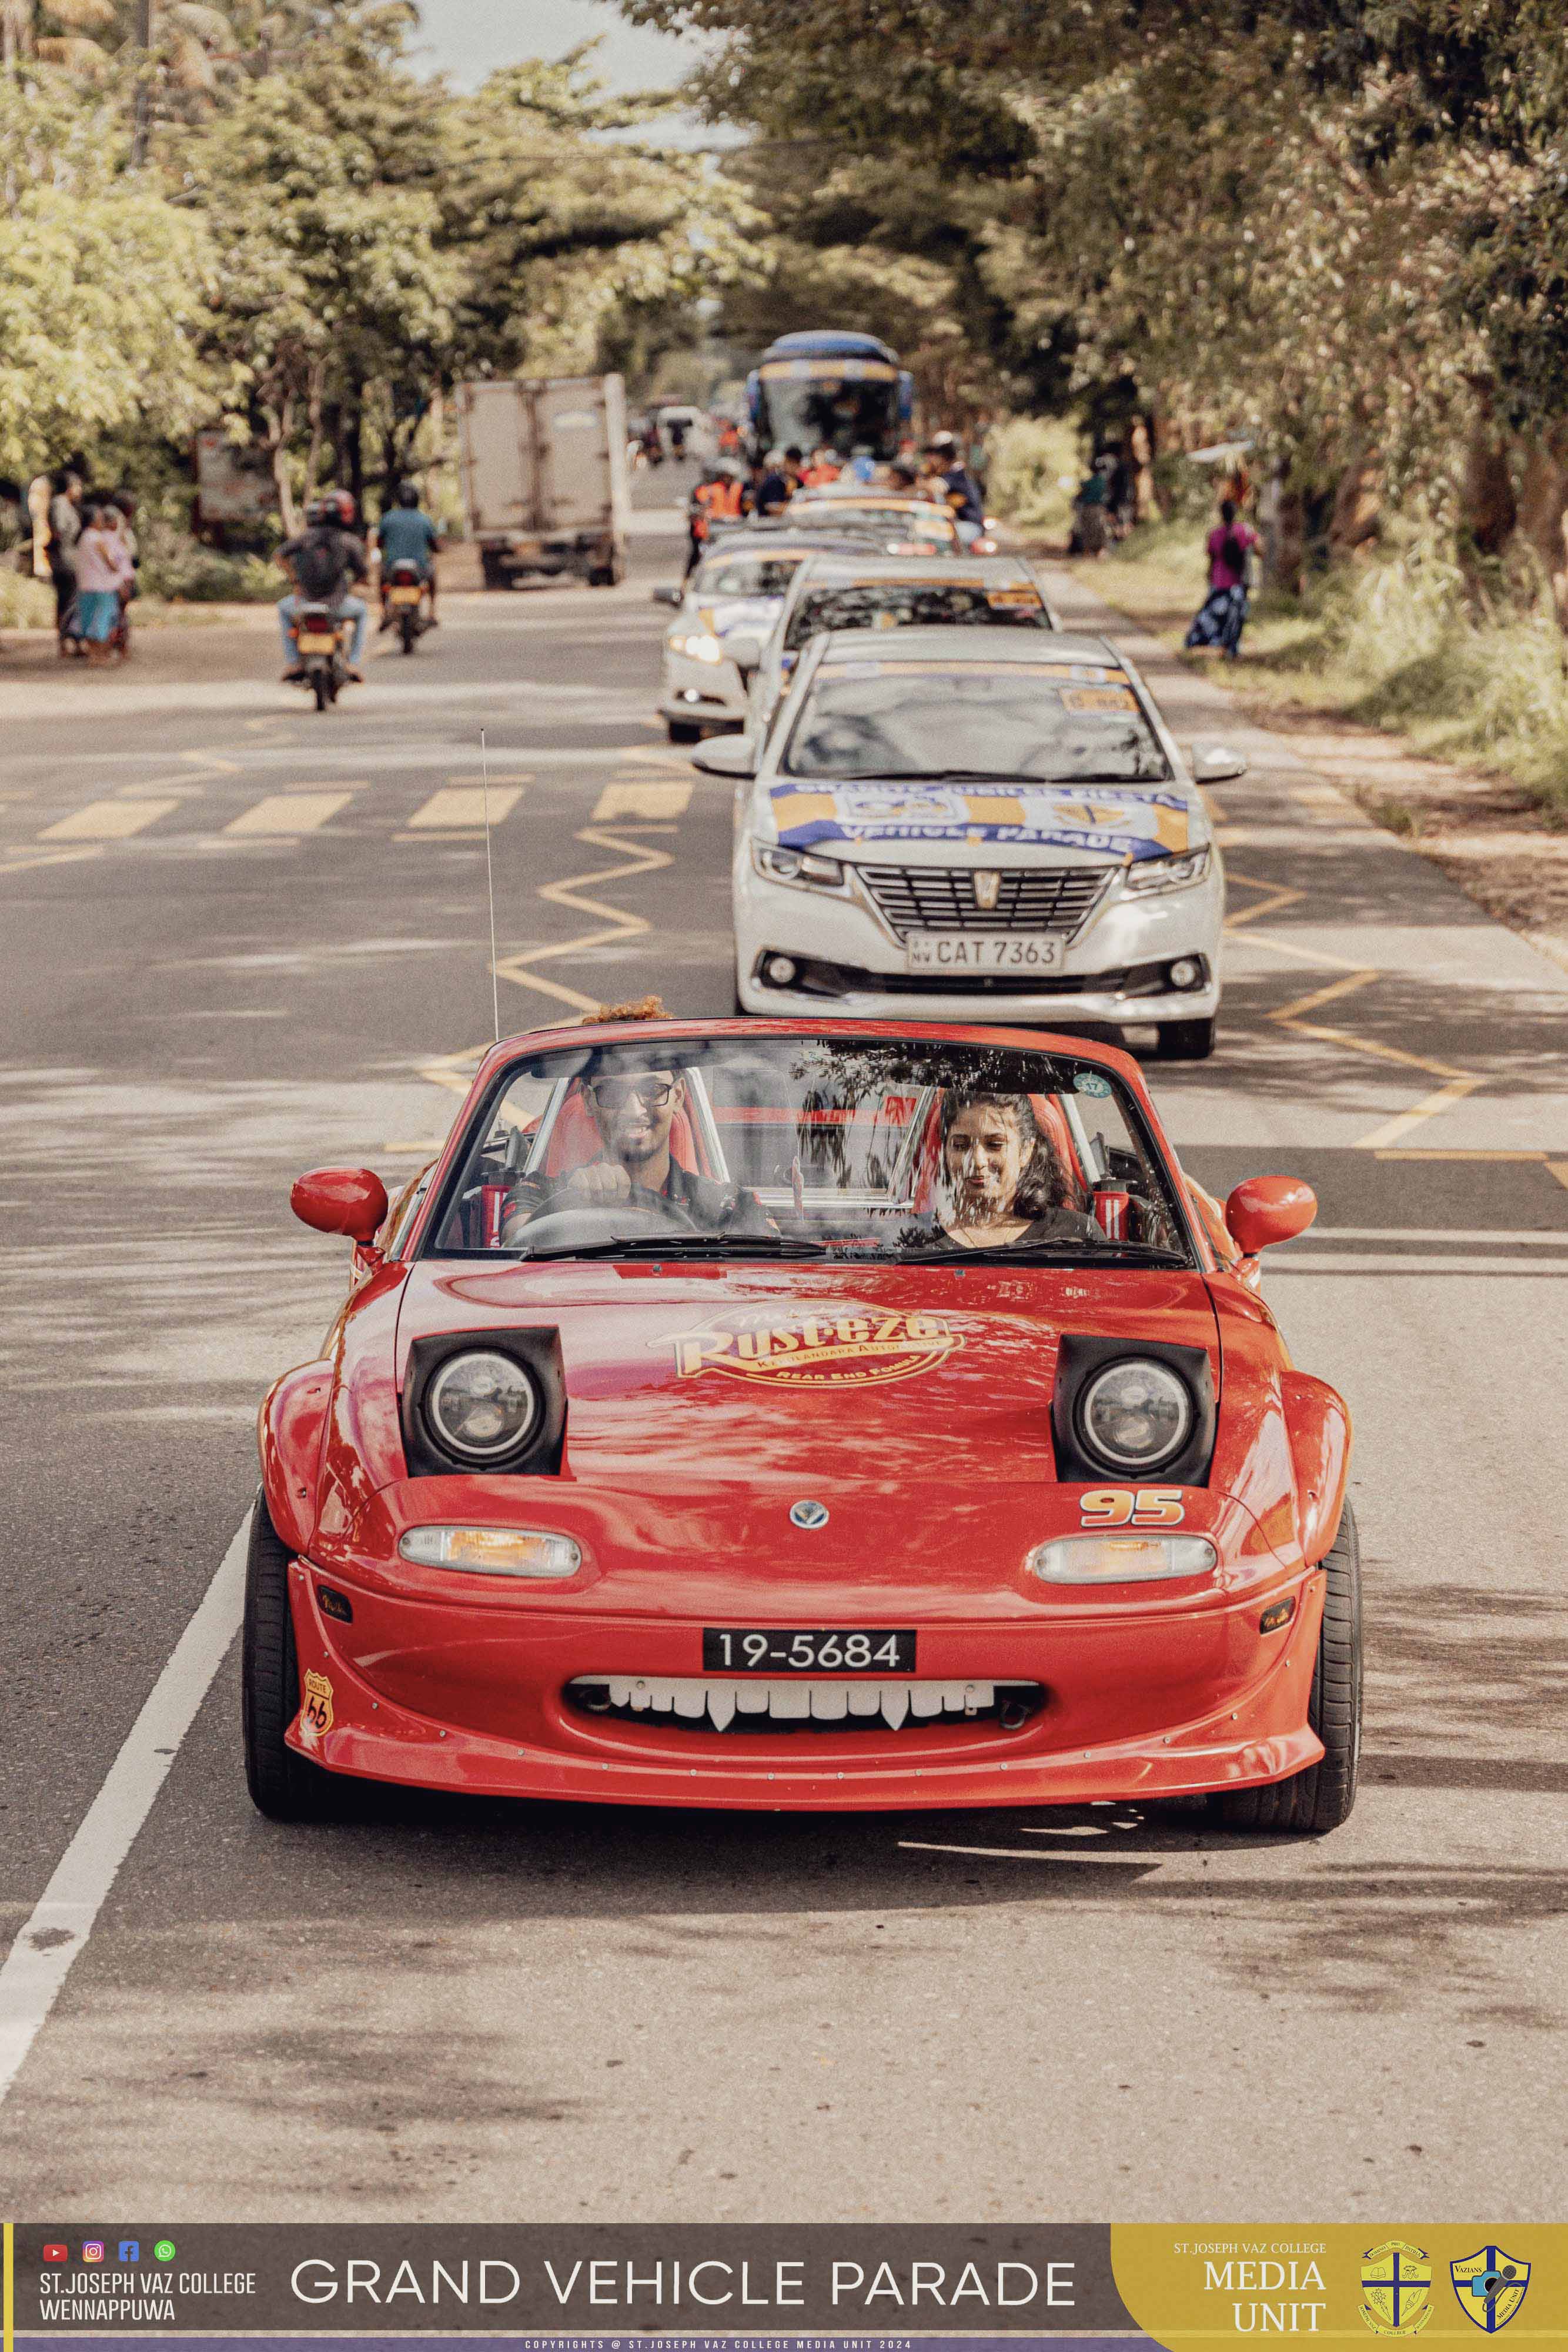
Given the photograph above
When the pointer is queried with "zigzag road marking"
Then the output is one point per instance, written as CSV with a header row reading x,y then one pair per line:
x,y
1456,1084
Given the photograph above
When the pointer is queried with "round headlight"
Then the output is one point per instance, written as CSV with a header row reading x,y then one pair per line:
x,y
481,1405
1136,1415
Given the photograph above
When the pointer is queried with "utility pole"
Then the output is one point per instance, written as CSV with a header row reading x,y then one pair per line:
x,y
141,119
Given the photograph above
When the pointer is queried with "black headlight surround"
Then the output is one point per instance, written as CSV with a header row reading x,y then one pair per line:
x,y
538,1350
1080,1359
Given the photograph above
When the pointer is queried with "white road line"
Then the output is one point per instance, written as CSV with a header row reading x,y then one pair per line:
x,y
40,1959
1553,1239
285,815
1414,1262
641,799
114,820
460,808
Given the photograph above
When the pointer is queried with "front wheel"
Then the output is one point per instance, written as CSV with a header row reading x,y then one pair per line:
x,y
283,1785
1322,1797
683,731
321,680
410,628
1185,1041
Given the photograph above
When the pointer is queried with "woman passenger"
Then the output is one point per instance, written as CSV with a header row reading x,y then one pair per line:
x,y
1003,1181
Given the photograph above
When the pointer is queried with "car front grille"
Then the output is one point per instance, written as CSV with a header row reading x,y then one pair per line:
x,y
801,1702
815,977
942,898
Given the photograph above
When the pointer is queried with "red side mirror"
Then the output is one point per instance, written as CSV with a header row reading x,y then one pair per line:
x,y
1267,1209
352,1201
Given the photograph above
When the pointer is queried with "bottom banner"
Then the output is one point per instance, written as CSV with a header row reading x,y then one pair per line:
x,y
811,2287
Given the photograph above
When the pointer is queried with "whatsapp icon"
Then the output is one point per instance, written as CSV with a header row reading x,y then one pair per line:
x,y
164,2251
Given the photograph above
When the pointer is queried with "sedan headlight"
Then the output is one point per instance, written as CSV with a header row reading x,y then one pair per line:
x,y
481,1405
801,866
1167,873
1121,1559
492,1551
701,645
1135,1416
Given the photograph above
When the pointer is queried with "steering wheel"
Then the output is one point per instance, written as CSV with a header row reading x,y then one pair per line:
x,y
568,1220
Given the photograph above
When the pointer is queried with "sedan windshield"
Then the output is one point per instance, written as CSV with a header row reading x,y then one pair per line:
x,y
745,575
811,1148
1063,721
913,605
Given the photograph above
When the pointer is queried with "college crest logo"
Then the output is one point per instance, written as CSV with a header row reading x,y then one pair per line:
x,y
816,1350
1490,2285
1395,2289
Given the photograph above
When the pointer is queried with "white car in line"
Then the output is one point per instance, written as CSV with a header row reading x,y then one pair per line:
x,y
841,592
736,592
985,823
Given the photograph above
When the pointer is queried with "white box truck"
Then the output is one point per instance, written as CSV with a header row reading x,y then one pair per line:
x,y
544,476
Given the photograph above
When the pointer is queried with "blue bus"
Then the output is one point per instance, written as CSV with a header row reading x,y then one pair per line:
x,y
829,388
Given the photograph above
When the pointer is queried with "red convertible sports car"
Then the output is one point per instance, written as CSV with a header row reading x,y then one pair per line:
x,y
806,1414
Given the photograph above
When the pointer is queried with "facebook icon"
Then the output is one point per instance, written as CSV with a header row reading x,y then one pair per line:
x,y
131,2249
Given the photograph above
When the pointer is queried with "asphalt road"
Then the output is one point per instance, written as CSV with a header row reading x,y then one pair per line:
x,y
239,938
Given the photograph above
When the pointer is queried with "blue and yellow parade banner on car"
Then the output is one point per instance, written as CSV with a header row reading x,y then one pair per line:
x,y
1111,820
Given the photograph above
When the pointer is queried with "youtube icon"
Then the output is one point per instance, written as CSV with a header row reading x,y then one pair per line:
x,y
56,2254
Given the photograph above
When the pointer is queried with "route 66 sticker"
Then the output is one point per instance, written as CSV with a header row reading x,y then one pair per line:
x,y
315,1712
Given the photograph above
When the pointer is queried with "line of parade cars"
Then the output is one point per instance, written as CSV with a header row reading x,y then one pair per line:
x,y
857,1406
945,802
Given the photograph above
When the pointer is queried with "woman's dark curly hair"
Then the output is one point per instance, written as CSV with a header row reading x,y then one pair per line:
x,y
1043,1185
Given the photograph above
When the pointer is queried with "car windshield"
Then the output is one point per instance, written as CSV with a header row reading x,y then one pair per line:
x,y
913,605
1062,721
909,521
745,575
811,1146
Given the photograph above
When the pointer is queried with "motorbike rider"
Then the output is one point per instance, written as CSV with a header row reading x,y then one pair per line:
x,y
322,562
406,534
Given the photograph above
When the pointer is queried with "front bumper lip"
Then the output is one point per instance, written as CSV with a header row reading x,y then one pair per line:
x,y
1242,1725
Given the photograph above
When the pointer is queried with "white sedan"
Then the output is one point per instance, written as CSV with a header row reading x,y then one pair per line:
x,y
988,823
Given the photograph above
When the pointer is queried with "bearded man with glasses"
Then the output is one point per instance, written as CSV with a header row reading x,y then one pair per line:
x,y
634,1111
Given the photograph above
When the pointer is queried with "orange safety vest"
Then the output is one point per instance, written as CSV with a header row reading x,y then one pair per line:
x,y
718,501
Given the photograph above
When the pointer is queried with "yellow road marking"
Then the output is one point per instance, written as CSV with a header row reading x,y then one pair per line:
x,y
1277,897
660,800
618,923
23,859
455,1072
108,820
213,760
283,814
1288,1015
458,808
1428,1107
498,776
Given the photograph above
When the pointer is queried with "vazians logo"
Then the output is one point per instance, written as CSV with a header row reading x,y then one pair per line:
x,y
817,1351
1490,2285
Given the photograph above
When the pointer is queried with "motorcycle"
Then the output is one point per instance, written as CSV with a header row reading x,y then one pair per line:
x,y
405,603
322,637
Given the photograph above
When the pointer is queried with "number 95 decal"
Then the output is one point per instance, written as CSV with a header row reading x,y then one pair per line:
x,y
1123,1507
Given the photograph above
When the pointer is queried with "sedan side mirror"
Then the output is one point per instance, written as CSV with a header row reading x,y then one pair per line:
x,y
352,1201
676,596
1268,1209
744,650
727,755
1213,762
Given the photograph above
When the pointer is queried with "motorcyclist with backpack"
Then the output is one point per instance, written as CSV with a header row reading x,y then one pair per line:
x,y
323,561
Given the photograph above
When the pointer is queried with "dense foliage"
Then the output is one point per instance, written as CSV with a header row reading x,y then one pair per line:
x,y
1337,227
300,235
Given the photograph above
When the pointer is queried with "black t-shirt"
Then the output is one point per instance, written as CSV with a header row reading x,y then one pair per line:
x,y
322,559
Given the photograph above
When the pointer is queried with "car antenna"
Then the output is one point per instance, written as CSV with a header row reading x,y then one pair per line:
x,y
490,886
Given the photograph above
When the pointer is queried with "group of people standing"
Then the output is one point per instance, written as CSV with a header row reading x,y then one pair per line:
x,y
942,471
84,543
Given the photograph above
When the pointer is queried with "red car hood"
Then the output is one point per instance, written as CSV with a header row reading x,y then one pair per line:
x,y
758,1377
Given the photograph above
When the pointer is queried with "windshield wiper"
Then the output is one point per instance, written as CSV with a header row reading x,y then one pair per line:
x,y
683,1244
1081,1253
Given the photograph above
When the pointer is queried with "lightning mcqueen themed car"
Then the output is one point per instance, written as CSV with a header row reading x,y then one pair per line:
x,y
805,1415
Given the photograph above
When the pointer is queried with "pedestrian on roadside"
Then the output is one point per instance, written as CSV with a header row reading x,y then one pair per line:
x,y
1089,529
103,571
1222,616
65,531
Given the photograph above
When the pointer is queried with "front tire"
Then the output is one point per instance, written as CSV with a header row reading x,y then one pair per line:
x,y
283,1785
1185,1041
1321,1797
494,570
323,685
683,731
410,633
